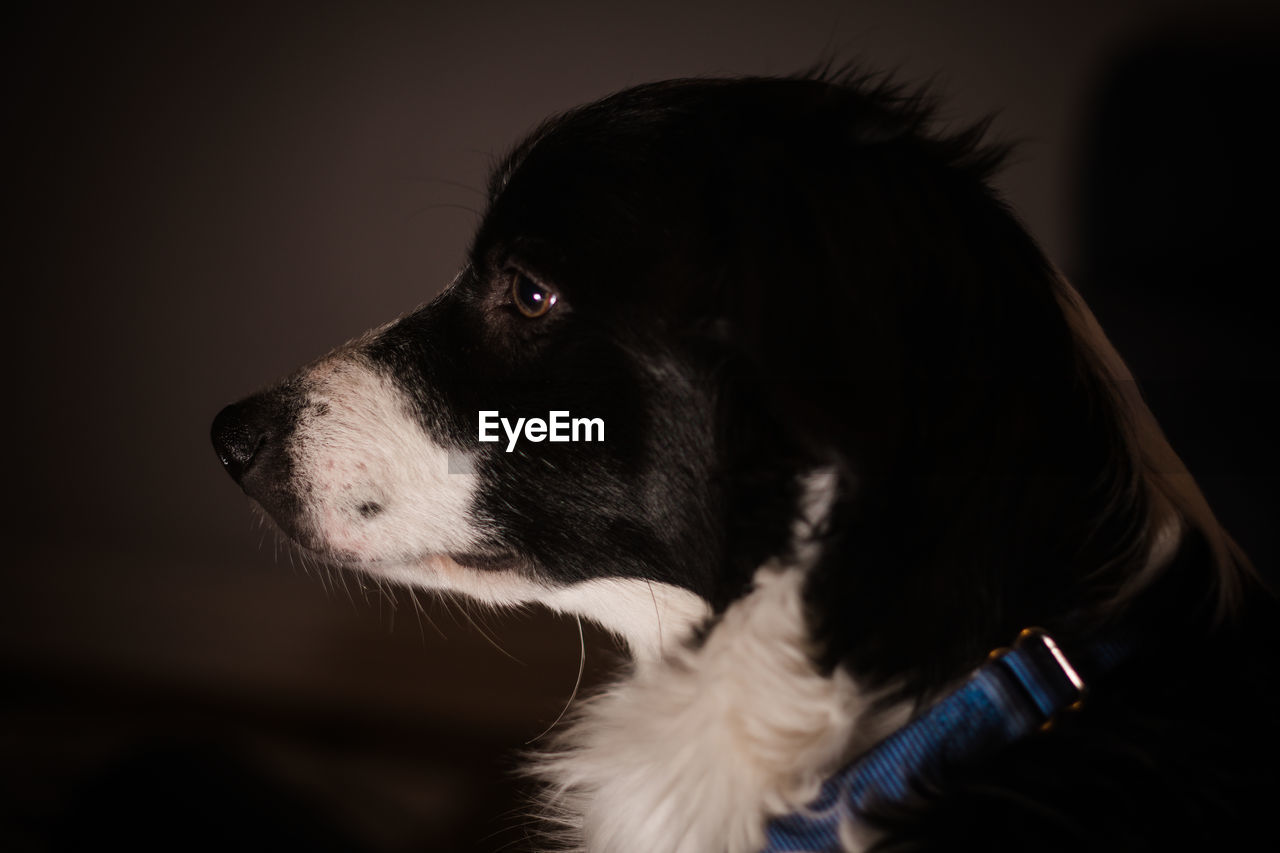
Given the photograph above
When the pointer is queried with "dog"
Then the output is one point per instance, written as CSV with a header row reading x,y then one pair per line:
x,y
761,375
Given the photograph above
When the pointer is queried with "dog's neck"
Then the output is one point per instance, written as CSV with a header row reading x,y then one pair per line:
x,y
689,751
705,737
654,618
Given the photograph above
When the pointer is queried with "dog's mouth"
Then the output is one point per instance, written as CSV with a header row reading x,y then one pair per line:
x,y
315,544
499,576
301,536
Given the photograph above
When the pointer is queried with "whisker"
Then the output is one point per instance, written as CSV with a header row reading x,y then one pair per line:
x,y
662,649
442,205
582,665
420,613
462,607
347,589
385,594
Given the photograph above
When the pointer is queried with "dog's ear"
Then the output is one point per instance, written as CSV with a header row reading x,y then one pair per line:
x,y
903,326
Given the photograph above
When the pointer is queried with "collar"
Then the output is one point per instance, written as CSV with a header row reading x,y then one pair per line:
x,y
1017,692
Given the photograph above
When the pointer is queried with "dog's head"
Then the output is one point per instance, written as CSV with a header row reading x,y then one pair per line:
x,y
726,290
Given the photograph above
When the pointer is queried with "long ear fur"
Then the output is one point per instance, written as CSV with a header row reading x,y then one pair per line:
x,y
1176,504
998,466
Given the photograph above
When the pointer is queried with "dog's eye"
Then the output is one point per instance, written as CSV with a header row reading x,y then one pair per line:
x,y
529,296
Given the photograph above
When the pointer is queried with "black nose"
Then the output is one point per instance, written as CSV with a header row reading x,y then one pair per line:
x,y
236,439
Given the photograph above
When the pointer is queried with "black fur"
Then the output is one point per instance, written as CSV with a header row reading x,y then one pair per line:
x,y
761,276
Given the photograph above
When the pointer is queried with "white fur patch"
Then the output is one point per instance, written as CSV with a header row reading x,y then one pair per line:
x,y
649,616
653,618
694,752
358,444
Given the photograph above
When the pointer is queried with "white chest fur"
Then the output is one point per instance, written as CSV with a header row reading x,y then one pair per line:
x,y
695,750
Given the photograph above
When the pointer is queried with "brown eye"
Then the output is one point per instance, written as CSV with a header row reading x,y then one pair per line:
x,y
530,298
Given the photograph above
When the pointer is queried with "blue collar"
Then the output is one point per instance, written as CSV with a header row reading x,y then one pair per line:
x,y
1017,692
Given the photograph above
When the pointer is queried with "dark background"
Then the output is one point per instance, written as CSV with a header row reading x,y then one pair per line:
x,y
201,197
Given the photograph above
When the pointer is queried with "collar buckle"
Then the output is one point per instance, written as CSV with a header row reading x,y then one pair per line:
x,y
1038,642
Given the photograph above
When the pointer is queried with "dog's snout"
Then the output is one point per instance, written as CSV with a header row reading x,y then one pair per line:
x,y
236,438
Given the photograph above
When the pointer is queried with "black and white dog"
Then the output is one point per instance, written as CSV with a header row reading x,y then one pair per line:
x,y
761,375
